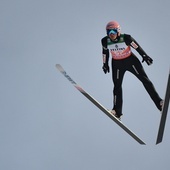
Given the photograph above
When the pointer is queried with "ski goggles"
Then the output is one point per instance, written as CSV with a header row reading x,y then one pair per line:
x,y
112,31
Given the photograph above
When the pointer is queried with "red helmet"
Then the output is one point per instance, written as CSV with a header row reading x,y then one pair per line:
x,y
113,25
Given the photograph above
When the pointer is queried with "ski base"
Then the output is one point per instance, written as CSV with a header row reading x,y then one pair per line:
x,y
164,113
102,108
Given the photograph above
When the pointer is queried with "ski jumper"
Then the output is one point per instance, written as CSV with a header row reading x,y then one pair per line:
x,y
123,59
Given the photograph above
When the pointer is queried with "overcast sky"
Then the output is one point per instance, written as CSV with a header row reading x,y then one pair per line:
x,y
45,123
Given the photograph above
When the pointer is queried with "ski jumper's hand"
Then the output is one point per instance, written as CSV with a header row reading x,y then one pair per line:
x,y
106,68
147,59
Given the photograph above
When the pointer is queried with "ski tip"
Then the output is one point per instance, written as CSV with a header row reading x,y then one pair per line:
x,y
59,67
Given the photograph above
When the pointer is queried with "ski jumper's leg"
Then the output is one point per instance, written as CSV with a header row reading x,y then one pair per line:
x,y
117,76
136,68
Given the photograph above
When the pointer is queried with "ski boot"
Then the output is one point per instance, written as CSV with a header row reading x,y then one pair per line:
x,y
161,105
113,112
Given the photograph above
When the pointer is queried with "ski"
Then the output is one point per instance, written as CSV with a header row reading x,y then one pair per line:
x,y
164,113
102,108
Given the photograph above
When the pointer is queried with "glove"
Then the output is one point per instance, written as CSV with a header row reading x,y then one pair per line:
x,y
147,59
106,68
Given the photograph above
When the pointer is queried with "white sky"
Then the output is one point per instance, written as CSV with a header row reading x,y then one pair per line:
x,y
47,124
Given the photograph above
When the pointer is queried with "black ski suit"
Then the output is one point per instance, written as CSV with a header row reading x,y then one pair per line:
x,y
124,60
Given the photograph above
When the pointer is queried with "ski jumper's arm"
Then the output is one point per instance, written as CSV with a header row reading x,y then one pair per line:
x,y
105,50
133,43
